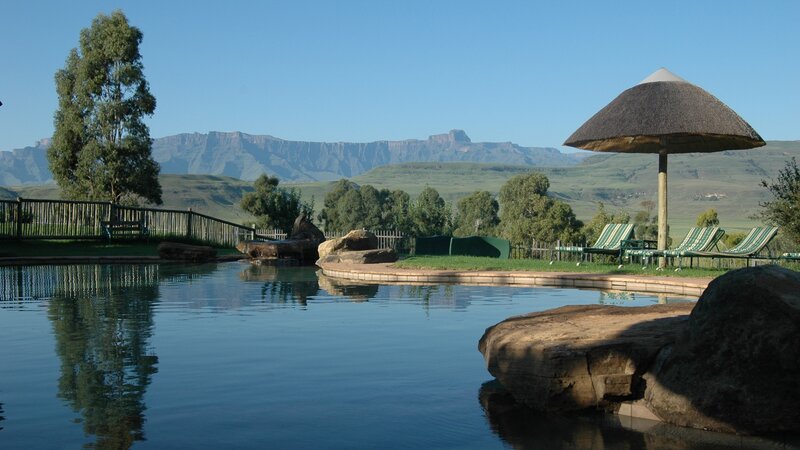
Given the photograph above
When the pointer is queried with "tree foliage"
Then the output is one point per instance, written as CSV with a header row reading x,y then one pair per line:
x,y
708,218
274,206
593,228
476,215
784,209
348,206
430,215
101,148
646,222
527,213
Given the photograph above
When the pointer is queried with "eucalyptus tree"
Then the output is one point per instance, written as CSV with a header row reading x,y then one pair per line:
x,y
273,205
476,214
528,213
101,147
783,209
430,214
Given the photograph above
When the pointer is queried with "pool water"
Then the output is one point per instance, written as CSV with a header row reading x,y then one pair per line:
x,y
239,356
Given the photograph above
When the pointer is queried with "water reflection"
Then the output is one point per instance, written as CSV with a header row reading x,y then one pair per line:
x,y
283,284
524,428
2,417
101,335
357,292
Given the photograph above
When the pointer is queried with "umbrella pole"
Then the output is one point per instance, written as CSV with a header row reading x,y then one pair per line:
x,y
662,205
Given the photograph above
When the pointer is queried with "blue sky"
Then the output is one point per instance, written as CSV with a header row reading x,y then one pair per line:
x,y
528,72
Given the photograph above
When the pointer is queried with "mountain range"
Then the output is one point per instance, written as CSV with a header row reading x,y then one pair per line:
x,y
245,156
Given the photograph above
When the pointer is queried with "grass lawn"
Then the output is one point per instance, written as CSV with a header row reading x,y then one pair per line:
x,y
85,248
534,265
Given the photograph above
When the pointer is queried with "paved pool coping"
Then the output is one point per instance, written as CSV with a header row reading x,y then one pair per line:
x,y
388,273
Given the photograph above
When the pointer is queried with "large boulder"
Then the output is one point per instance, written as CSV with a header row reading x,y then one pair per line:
x,y
303,229
375,256
352,241
300,247
185,252
736,365
577,357
303,250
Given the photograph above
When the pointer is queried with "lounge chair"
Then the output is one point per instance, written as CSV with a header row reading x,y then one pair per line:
x,y
609,242
790,256
751,246
698,239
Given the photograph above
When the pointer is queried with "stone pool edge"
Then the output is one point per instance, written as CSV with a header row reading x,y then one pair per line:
x,y
388,273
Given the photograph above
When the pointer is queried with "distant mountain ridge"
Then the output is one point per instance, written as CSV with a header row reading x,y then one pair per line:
x,y
245,156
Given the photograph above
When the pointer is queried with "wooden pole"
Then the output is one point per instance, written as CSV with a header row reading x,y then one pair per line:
x,y
662,205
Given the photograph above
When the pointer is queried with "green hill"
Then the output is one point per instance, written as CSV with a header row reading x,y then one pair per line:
x,y
216,196
726,181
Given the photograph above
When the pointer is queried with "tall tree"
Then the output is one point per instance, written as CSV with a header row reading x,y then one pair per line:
x,y
527,213
274,206
476,214
708,218
429,214
593,228
334,215
784,209
101,148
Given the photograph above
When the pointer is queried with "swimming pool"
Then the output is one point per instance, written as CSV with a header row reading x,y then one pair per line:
x,y
234,355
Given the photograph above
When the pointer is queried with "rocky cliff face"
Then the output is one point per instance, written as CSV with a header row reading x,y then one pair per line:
x,y
247,156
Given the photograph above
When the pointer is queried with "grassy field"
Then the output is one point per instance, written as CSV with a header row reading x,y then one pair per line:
x,y
533,265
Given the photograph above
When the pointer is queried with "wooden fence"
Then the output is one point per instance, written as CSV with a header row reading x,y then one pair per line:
x,y
65,219
399,241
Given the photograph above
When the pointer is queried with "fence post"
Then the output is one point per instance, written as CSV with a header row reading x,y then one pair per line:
x,y
19,218
189,215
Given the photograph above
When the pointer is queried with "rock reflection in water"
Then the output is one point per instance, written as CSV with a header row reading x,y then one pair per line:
x,y
282,284
523,428
102,338
343,288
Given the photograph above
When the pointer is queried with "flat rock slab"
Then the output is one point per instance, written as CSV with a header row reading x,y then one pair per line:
x,y
303,250
577,357
376,256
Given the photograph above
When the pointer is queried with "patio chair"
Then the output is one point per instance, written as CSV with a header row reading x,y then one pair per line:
x,y
698,239
790,256
609,242
751,246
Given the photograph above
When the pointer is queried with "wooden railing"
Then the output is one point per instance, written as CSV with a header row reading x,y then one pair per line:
x,y
66,219
399,241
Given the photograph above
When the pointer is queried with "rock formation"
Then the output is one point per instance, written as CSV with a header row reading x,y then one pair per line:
x,y
729,363
577,357
735,366
301,245
356,247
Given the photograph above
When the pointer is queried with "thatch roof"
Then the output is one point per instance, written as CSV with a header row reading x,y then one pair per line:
x,y
664,111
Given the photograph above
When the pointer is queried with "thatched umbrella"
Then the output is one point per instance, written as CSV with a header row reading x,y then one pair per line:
x,y
665,114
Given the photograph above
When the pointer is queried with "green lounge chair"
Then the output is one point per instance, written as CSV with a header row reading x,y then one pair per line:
x,y
698,239
609,242
751,246
791,256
